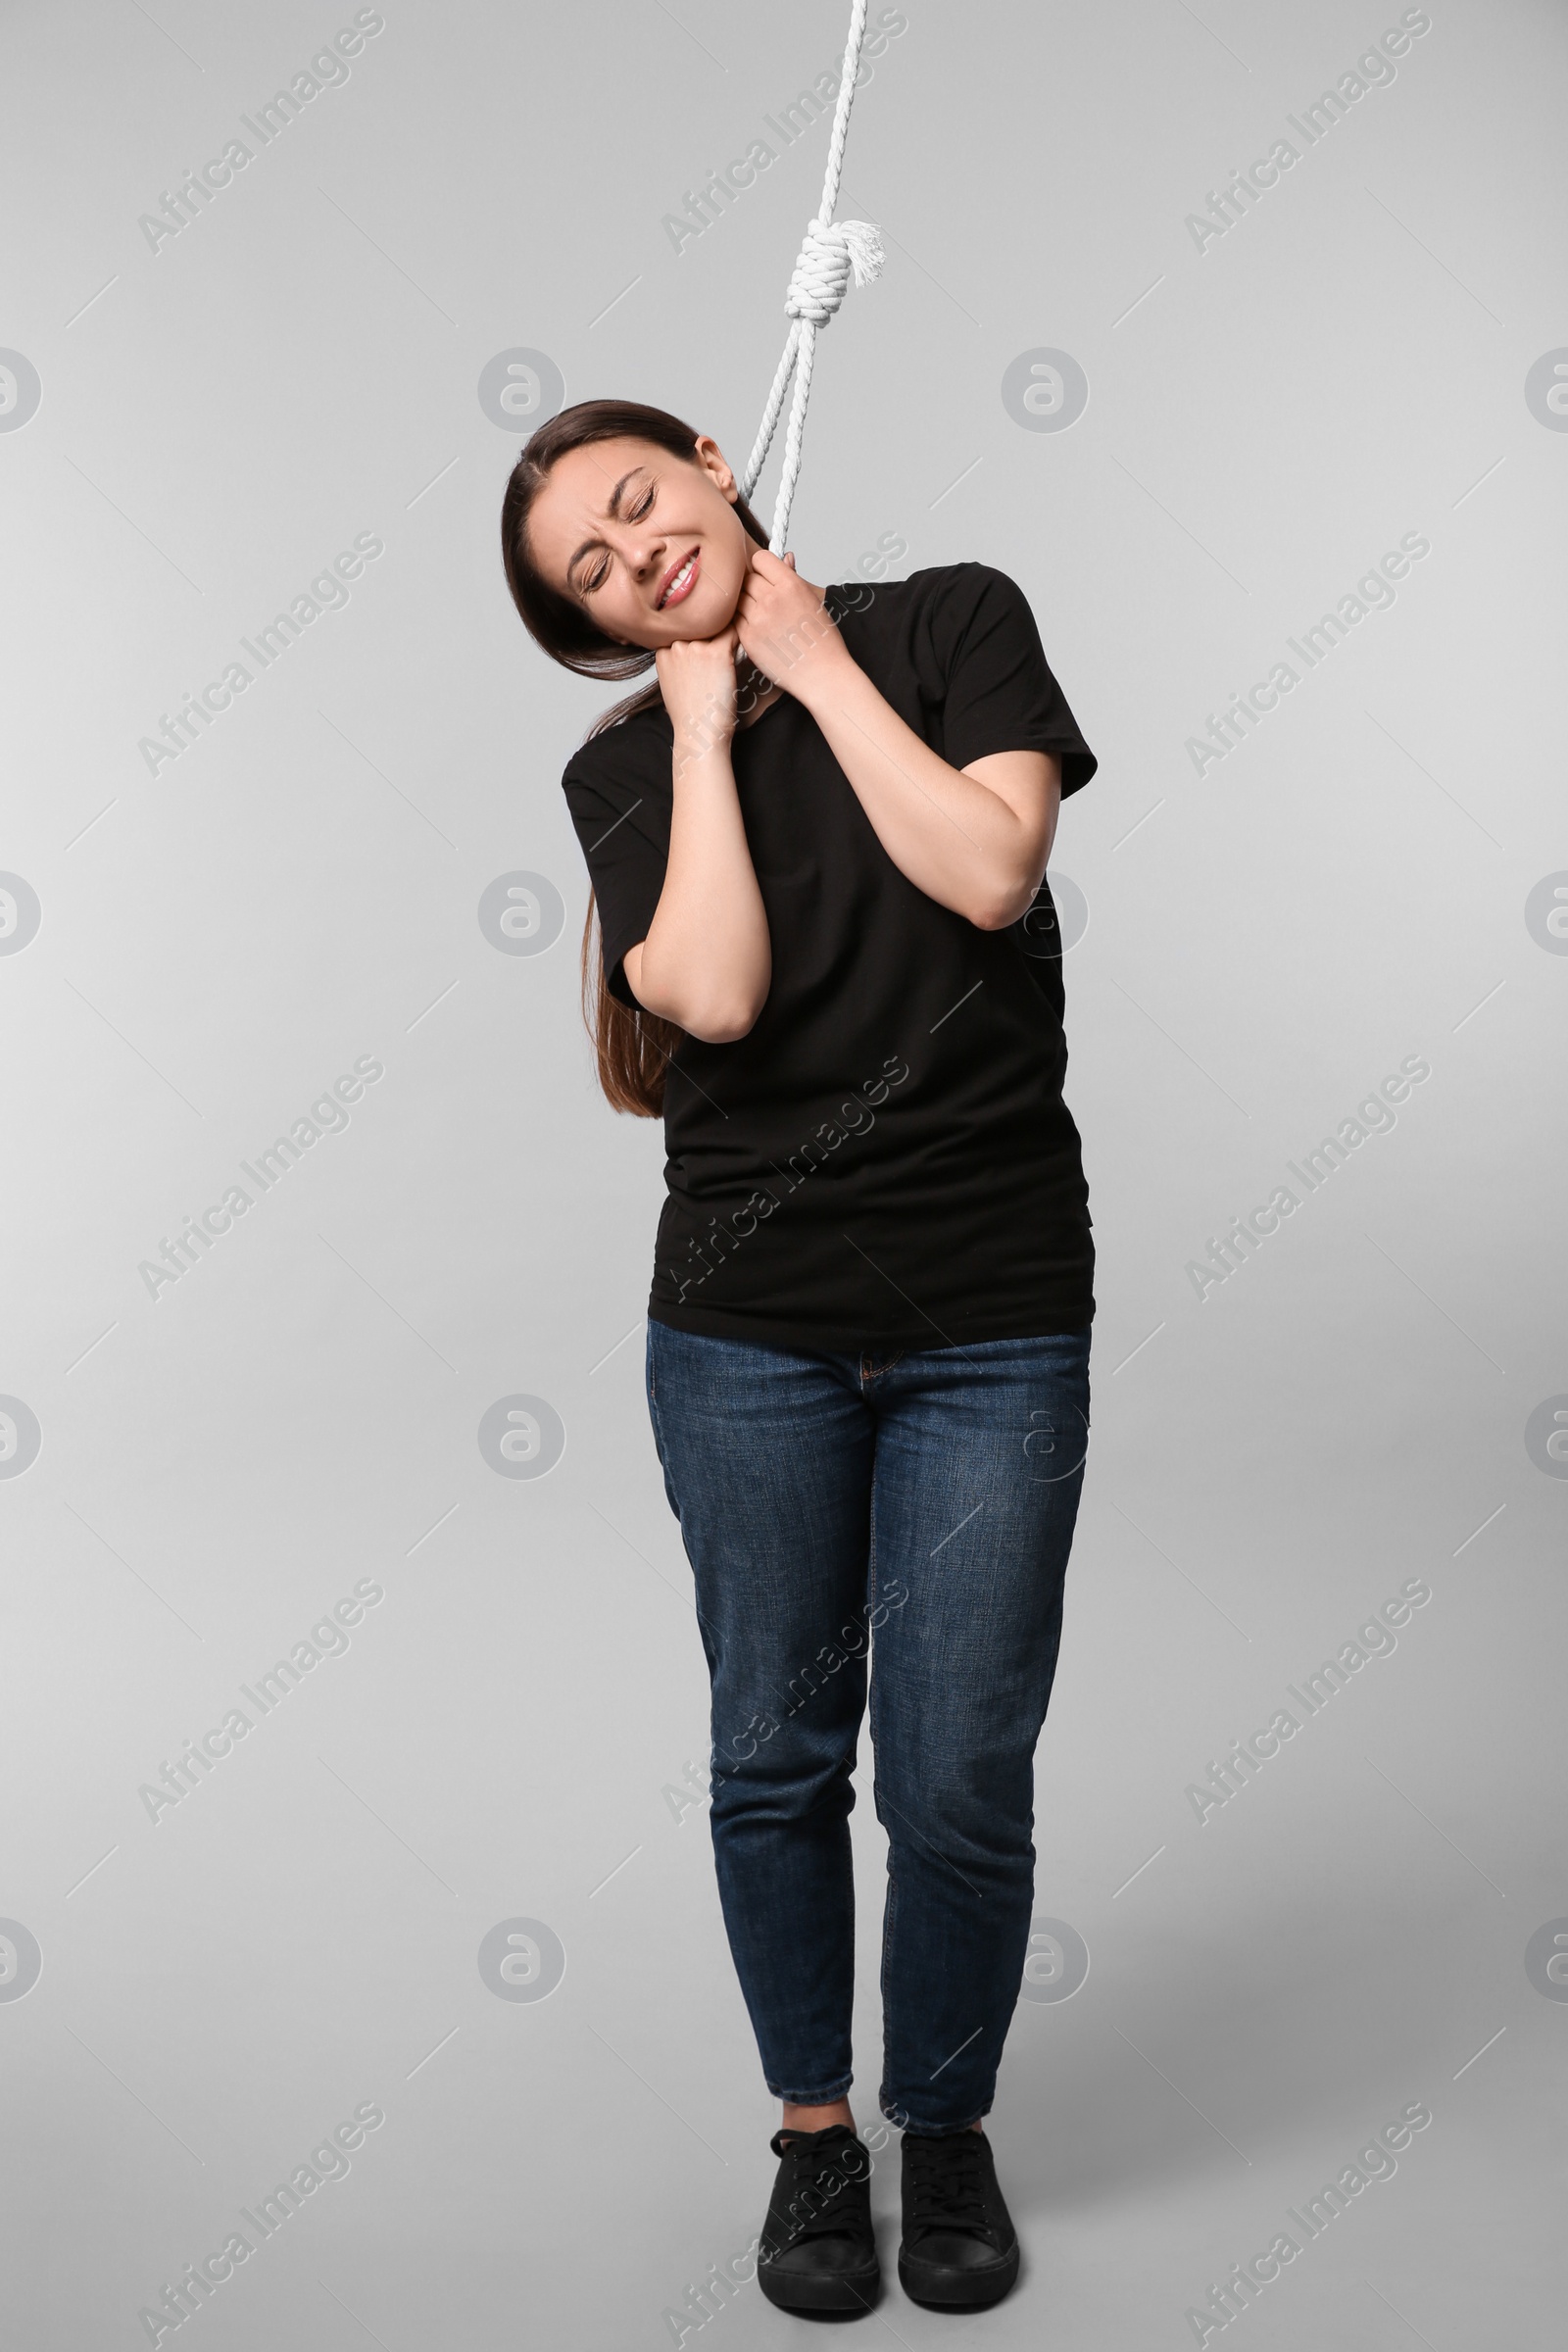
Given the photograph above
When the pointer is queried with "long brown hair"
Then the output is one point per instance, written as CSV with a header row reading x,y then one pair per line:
x,y
633,1048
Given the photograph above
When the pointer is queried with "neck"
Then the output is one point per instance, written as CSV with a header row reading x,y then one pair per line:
x,y
754,689
750,681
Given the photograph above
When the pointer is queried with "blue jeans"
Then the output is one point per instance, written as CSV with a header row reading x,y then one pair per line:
x,y
925,1501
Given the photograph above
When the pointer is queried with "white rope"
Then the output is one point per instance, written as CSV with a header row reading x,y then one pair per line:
x,y
834,253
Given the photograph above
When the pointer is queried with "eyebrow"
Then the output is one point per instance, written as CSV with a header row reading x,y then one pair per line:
x,y
614,510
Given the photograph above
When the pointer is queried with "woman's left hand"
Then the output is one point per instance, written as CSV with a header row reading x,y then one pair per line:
x,y
785,628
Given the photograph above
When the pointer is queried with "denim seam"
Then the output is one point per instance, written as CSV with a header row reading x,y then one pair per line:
x,y
890,1898
937,2131
659,1435
812,2098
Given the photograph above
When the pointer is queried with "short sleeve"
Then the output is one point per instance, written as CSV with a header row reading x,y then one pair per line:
x,y
1001,693
624,832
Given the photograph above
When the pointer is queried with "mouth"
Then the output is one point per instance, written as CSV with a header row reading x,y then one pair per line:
x,y
679,581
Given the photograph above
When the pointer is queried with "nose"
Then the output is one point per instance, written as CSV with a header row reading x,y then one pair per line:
x,y
639,550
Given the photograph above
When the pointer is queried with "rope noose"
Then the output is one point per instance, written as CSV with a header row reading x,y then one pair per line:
x,y
834,252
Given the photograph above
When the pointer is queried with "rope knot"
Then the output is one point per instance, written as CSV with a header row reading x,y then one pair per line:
x,y
834,251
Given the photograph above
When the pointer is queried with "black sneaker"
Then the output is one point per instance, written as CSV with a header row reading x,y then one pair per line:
x,y
960,2245
818,2249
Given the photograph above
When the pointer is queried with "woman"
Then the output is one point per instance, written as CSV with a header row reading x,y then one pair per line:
x,y
818,849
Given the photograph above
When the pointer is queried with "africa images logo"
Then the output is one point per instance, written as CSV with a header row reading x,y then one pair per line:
x,y
181,206
20,391
327,1115
1374,70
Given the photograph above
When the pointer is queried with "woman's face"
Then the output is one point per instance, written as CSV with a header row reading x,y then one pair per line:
x,y
647,544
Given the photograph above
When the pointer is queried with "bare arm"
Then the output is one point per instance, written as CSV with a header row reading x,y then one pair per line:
x,y
707,961
976,838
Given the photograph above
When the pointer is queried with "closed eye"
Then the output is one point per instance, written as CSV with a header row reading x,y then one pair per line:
x,y
634,513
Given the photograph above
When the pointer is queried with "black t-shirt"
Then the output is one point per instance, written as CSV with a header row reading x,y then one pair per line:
x,y
885,1160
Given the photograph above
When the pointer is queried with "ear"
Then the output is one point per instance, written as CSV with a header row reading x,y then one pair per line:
x,y
713,462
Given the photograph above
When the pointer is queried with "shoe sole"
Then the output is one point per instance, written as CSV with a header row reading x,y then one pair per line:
x,y
825,2290
943,2287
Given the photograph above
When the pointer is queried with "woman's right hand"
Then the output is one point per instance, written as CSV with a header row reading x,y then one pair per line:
x,y
707,961
697,679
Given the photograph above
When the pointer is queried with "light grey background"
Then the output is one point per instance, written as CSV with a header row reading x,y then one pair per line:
x,y
300,1411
